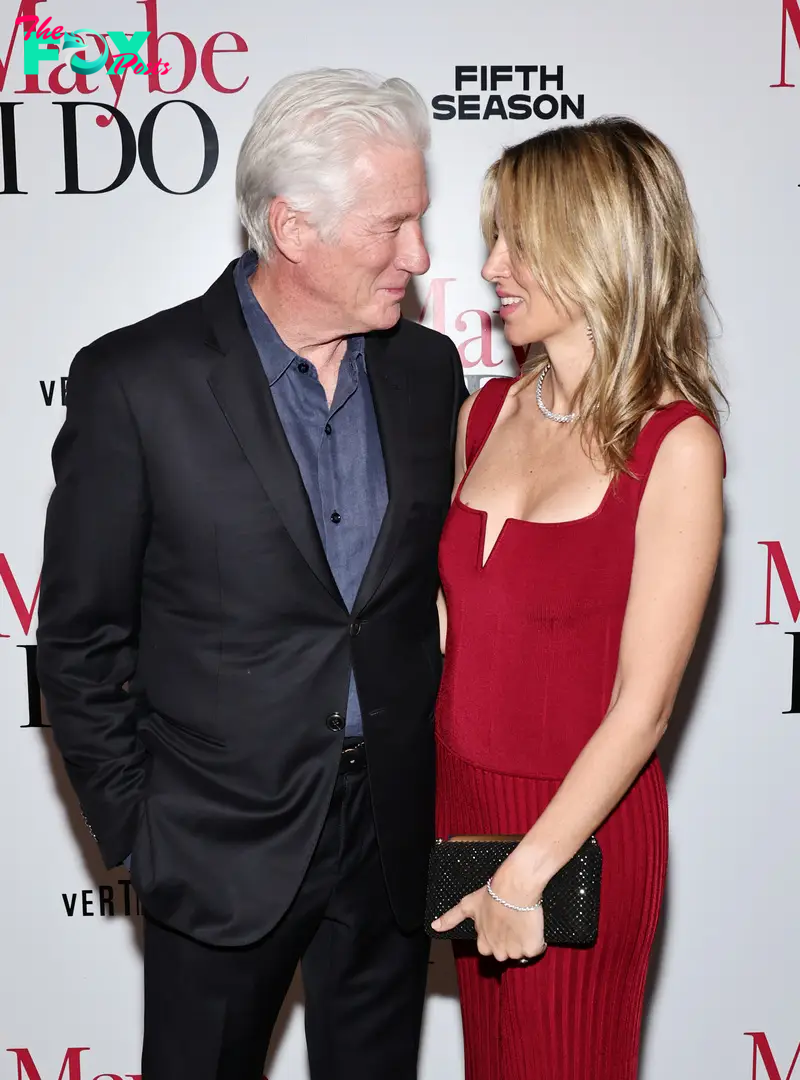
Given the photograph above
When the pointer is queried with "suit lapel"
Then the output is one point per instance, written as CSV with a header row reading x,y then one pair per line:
x,y
242,392
390,394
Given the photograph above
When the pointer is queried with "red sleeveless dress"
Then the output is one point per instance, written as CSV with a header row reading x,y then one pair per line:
x,y
531,656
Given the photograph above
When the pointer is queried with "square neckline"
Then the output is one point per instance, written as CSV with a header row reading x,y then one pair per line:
x,y
484,514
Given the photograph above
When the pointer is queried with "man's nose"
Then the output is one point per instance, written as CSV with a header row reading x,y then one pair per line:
x,y
414,257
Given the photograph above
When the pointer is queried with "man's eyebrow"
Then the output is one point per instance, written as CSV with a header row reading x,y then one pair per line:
x,y
398,219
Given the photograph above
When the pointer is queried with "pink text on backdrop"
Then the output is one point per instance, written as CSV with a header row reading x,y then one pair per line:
x,y
790,16
71,1067
57,38
776,560
762,1053
476,350
184,70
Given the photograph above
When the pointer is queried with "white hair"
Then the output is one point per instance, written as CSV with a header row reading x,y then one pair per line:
x,y
307,134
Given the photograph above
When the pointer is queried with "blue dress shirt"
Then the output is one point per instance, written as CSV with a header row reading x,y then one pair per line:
x,y
337,449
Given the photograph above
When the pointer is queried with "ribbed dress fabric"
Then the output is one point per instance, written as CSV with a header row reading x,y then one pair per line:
x,y
531,655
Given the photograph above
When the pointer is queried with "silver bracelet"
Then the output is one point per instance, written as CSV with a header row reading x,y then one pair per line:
x,y
505,903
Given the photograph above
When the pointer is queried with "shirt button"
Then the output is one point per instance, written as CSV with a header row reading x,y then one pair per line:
x,y
302,367
336,517
328,429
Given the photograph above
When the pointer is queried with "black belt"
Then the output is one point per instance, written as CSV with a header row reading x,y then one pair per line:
x,y
354,755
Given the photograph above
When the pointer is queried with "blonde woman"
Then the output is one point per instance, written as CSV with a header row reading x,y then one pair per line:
x,y
576,563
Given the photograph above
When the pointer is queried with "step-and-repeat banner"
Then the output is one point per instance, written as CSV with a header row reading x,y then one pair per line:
x,y
116,200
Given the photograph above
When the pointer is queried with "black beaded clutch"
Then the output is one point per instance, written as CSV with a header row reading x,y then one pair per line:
x,y
570,901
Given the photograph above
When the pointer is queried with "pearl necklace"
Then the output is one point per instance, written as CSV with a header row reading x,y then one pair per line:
x,y
559,418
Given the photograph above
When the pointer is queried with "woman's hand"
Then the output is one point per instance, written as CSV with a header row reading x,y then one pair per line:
x,y
502,933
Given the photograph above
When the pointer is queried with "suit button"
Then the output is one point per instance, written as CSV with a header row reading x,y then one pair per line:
x,y
355,628
335,721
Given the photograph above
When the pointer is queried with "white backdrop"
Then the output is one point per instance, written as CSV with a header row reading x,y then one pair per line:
x,y
723,1000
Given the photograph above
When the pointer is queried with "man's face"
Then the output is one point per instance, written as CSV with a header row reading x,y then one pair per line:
x,y
362,274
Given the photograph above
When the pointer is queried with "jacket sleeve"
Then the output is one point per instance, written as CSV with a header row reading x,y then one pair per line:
x,y
461,392
95,535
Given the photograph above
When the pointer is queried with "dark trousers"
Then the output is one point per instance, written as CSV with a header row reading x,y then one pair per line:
x,y
209,1012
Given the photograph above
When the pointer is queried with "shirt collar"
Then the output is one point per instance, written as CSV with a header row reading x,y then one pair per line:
x,y
276,356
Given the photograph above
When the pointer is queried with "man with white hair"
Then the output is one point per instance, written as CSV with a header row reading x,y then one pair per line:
x,y
238,639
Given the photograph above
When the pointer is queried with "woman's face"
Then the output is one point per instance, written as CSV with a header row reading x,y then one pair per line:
x,y
527,313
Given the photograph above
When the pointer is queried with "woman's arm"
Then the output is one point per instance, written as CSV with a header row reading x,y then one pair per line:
x,y
678,536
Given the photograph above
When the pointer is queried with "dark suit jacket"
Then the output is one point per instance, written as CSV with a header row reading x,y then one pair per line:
x,y
193,647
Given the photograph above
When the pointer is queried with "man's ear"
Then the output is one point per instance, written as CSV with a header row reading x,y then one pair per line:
x,y
289,228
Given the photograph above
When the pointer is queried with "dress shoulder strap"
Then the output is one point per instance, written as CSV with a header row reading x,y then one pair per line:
x,y
653,434
482,415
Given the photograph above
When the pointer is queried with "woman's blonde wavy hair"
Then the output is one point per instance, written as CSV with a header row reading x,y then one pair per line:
x,y
600,215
